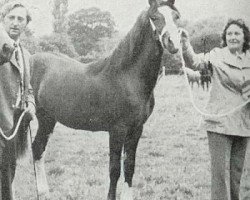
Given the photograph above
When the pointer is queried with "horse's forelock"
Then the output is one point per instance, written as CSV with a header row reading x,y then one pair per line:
x,y
172,6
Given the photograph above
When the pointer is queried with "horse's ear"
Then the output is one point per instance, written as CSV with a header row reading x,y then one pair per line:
x,y
152,2
170,2
153,6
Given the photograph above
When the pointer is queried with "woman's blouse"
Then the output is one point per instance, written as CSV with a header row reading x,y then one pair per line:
x,y
230,88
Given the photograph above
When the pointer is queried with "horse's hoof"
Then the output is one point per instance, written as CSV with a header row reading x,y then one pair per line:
x,y
127,192
44,196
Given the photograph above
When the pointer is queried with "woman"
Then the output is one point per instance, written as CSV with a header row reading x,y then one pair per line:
x,y
228,136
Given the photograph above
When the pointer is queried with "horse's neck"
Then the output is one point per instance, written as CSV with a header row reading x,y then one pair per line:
x,y
151,62
140,54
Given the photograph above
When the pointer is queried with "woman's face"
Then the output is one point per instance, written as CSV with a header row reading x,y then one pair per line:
x,y
235,38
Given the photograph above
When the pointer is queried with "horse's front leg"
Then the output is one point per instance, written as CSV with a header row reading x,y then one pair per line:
x,y
116,141
46,125
130,146
41,179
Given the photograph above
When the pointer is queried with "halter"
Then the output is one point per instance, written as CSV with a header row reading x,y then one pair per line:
x,y
157,36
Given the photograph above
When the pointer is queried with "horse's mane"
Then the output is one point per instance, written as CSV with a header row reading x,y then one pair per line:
x,y
130,46
62,55
124,54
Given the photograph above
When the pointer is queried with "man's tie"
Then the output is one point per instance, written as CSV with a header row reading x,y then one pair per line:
x,y
17,57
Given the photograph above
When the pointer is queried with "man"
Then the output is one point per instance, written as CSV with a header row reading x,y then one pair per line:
x,y
15,96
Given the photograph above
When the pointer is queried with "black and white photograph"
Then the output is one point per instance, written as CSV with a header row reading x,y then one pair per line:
x,y
124,100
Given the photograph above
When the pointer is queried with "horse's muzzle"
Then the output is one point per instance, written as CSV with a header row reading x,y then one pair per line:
x,y
6,53
169,44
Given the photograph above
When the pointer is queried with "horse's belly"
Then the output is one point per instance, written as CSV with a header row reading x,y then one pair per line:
x,y
87,104
84,123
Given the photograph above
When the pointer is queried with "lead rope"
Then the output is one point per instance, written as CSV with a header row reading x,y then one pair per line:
x,y
8,138
192,97
33,161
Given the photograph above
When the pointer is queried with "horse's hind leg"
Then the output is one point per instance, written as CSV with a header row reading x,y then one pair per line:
x,y
116,141
130,146
46,125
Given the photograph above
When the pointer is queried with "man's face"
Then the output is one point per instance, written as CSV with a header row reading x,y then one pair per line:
x,y
15,22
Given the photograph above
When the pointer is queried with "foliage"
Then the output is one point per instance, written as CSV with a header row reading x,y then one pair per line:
x,y
87,27
30,42
2,2
206,34
57,43
205,43
59,12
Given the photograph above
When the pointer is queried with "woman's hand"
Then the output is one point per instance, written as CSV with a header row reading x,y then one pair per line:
x,y
184,38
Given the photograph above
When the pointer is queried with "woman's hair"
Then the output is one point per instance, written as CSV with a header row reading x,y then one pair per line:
x,y
10,6
240,23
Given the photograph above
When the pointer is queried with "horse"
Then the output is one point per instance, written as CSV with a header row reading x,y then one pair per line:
x,y
206,73
193,77
114,94
6,46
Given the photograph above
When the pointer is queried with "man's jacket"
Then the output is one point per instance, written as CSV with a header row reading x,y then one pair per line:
x,y
10,79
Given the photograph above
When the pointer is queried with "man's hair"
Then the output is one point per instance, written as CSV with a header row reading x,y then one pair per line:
x,y
240,23
10,6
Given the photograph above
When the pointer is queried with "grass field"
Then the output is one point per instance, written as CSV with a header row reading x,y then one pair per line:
x,y
172,158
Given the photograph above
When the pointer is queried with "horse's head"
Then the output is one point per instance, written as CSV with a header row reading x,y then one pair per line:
x,y
6,46
163,16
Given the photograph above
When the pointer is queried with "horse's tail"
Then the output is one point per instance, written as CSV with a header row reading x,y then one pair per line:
x,y
21,139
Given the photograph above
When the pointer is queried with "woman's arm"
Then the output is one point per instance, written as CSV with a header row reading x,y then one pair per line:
x,y
192,60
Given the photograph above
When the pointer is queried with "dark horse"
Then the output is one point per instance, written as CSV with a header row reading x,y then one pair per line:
x,y
206,73
6,46
114,94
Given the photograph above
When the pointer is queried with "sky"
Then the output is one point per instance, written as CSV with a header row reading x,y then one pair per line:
x,y
125,12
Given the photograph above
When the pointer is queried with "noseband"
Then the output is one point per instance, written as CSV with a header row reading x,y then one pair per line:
x,y
157,36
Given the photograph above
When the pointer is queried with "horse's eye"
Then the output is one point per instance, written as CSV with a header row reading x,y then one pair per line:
x,y
153,18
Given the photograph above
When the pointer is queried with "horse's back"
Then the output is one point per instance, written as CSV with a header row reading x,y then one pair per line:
x,y
81,96
41,62
52,77
70,90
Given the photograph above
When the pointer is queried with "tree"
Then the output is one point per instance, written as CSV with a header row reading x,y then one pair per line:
x,y
30,42
87,27
59,41
2,2
60,9
206,34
